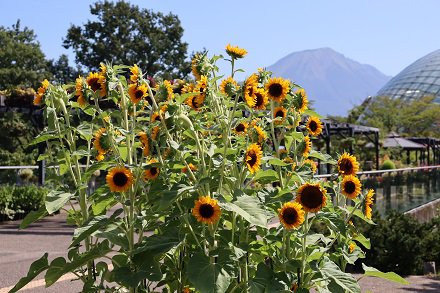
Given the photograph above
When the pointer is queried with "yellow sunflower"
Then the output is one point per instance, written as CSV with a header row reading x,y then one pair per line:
x,y
314,126
155,117
206,210
79,87
241,127
250,87
351,247
347,164
135,73
195,102
100,157
261,99
137,93
277,88
195,67
279,112
312,197
369,203
155,132
307,146
164,91
119,179
152,172
93,81
229,86
235,52
188,88
143,137
303,102
101,141
103,85
291,215
253,157
191,167
201,86
351,186
261,134
311,164
40,93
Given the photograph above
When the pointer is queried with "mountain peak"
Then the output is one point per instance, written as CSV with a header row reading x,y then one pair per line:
x,y
334,82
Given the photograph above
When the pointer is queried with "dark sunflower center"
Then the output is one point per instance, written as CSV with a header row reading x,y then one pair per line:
x,y
250,91
346,166
149,100
153,171
311,197
275,90
313,126
94,84
194,102
279,113
157,118
139,94
240,127
349,187
260,100
290,216
206,210
120,179
253,159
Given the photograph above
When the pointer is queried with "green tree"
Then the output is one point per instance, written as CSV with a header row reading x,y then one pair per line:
x,y
22,63
61,70
125,34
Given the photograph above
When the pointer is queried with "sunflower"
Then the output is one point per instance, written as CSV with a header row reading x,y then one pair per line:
x,y
279,112
100,157
261,99
347,164
351,247
195,102
155,132
135,73
137,93
93,81
261,134
41,91
195,67
206,210
103,85
188,88
250,87
277,88
311,164
303,102
201,86
152,172
235,52
351,186
307,146
369,203
253,157
155,117
311,197
191,167
291,215
314,126
164,91
145,143
79,87
119,179
241,127
229,86
101,141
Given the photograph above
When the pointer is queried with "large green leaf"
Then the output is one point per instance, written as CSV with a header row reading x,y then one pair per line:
x,y
44,137
91,226
390,276
35,269
206,276
265,281
33,217
55,200
340,281
85,130
249,208
266,176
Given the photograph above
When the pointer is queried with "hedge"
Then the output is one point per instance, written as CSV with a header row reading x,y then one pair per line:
x,y
17,201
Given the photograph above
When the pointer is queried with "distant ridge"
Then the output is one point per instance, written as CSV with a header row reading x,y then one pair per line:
x,y
334,82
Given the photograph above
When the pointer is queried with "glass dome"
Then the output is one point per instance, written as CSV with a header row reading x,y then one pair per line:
x,y
421,78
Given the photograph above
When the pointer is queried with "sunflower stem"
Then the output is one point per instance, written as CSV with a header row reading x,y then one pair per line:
x,y
189,225
303,248
276,146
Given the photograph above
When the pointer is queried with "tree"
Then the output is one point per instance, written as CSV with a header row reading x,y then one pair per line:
x,y
126,34
22,63
61,70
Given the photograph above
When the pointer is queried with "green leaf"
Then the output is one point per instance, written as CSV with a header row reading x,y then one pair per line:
x,y
56,266
266,176
123,152
277,162
362,240
157,244
85,130
102,203
325,158
33,217
342,282
35,269
91,226
249,208
390,276
44,137
103,165
207,277
55,200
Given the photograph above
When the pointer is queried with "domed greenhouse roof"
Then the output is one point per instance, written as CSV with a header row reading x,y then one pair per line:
x,y
421,78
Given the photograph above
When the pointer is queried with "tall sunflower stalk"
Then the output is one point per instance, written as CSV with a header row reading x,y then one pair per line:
x,y
208,184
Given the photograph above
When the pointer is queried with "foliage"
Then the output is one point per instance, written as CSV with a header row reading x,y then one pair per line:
x,y
196,171
401,244
125,34
61,70
20,200
22,63
388,165
415,117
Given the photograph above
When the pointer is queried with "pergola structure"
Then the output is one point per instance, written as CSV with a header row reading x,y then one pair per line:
x,y
393,140
347,130
430,144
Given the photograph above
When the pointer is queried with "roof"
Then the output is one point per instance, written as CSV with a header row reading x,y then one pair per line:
x,y
400,142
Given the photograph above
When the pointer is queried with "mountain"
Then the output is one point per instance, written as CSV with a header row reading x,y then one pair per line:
x,y
332,81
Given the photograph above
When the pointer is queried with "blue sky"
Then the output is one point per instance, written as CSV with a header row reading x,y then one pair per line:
x,y
388,34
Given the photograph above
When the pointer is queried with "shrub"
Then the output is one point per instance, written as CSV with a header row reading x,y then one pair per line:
x,y
388,165
18,201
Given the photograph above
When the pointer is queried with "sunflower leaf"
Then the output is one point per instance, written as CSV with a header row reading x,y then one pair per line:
x,y
390,276
249,208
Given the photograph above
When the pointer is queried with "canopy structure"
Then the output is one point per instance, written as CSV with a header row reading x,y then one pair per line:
x,y
393,140
430,144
